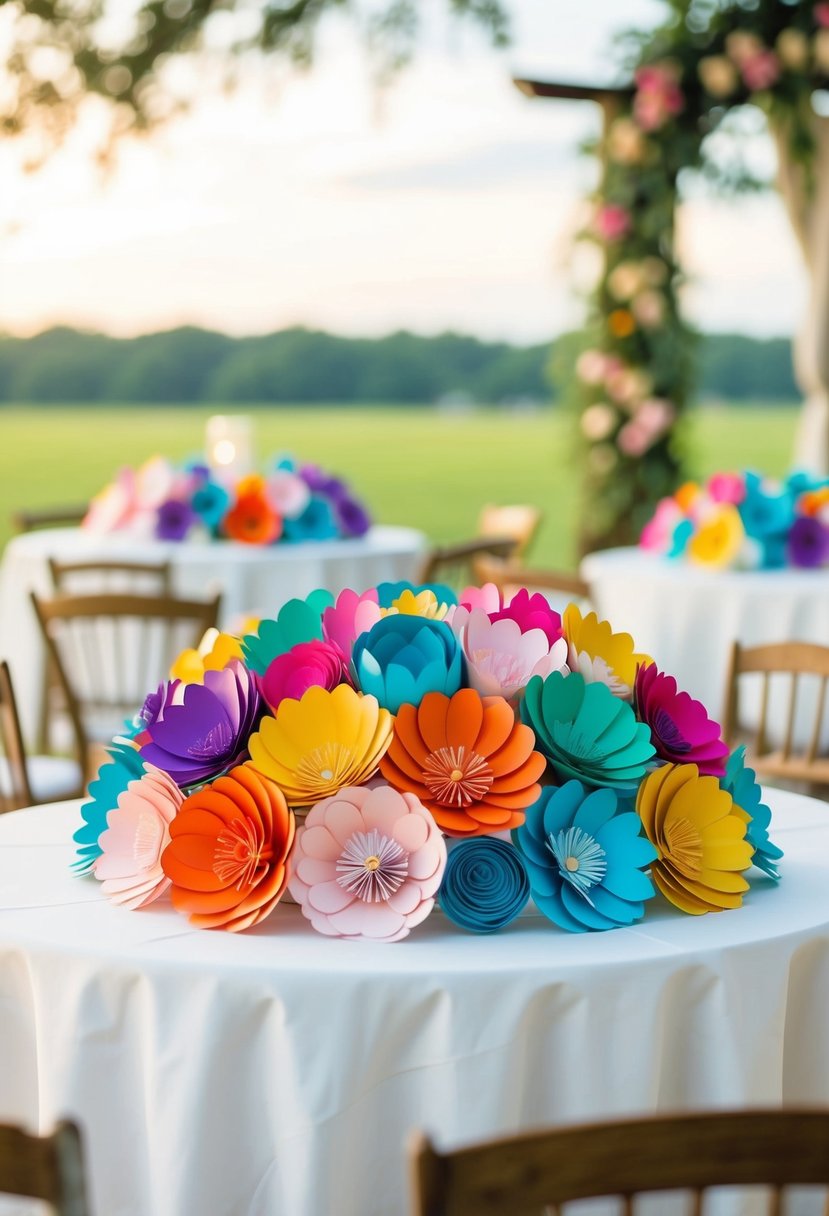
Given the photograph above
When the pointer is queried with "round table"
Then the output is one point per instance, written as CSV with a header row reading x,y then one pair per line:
x,y
254,580
279,1072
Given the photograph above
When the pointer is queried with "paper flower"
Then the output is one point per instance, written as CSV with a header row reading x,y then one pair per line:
x,y
367,864
699,836
403,657
466,759
599,654
657,533
727,487
297,621
585,858
287,493
154,481
388,593
351,615
303,666
741,783
531,612
719,539
765,511
316,522
210,502
215,651
487,597
808,542
681,730
113,778
174,520
352,516
501,658
137,832
423,603
114,507
485,884
321,743
227,859
586,732
252,521
203,729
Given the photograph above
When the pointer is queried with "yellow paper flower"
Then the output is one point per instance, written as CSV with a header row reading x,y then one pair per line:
x,y
686,496
214,653
599,653
699,835
425,604
719,539
318,745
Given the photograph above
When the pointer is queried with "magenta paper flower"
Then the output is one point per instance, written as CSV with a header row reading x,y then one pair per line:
x,y
531,612
727,487
367,864
501,658
681,730
351,615
137,832
304,665
657,534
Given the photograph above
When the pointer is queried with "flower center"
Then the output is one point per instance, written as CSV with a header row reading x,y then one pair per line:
x,y
213,745
372,866
456,776
240,854
669,733
684,847
326,768
582,862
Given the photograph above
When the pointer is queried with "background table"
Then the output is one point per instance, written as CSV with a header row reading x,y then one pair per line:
x,y
254,581
278,1071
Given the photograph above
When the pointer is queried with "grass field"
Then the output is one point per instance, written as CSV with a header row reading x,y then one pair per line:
x,y
416,467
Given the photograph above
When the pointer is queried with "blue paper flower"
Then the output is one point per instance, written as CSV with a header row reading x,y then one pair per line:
x,y
297,621
387,593
317,522
401,658
485,884
585,858
586,732
765,513
113,778
211,502
741,783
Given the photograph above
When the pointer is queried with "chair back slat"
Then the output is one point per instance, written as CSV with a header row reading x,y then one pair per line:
x,y
15,791
48,1168
455,564
787,740
776,1201
519,521
760,742
814,741
508,576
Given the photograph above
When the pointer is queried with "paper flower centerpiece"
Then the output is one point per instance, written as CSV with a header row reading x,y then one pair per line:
x,y
485,885
585,858
368,864
137,832
227,858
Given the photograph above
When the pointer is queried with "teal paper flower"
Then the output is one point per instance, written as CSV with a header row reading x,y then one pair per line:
x,y
297,621
766,512
587,732
387,593
401,658
113,778
485,884
317,522
211,502
585,858
741,783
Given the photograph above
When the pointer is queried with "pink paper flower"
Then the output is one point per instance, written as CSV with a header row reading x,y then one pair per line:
x,y
611,222
137,832
350,616
307,664
727,487
367,864
488,598
114,507
658,532
287,493
501,658
531,612
760,71
681,730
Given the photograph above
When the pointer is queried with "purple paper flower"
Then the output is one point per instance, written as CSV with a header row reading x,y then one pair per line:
x,y
174,519
202,730
681,730
351,516
320,482
808,542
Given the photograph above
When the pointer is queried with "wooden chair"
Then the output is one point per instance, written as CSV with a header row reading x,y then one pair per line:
x,y
509,576
539,1172
520,521
48,1168
14,778
109,651
455,564
795,660
56,517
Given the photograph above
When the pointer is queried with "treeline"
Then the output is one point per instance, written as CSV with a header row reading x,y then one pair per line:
x,y
198,366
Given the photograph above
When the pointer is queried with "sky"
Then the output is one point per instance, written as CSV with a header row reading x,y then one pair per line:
x,y
446,200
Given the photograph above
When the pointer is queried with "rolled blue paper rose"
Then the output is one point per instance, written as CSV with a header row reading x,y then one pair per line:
x,y
401,658
485,884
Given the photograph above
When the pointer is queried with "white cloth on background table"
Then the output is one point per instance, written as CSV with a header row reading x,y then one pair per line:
x,y
254,580
279,1071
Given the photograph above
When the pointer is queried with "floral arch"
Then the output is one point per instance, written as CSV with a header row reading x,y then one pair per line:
x,y
635,370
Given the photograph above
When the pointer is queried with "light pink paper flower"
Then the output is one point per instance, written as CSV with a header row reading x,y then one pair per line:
x,y
501,659
351,615
367,864
154,483
137,832
657,534
488,598
114,507
287,493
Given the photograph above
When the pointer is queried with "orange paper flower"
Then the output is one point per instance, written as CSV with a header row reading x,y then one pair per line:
x,y
227,856
814,501
253,521
467,760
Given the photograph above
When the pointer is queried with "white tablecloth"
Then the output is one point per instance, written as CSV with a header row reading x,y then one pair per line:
x,y
687,617
254,581
279,1071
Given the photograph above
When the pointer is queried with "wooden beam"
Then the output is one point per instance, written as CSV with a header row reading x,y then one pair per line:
x,y
570,92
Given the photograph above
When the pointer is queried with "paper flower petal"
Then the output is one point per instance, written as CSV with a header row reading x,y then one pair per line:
x,y
681,730
596,639
741,783
297,621
138,831
403,657
113,778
